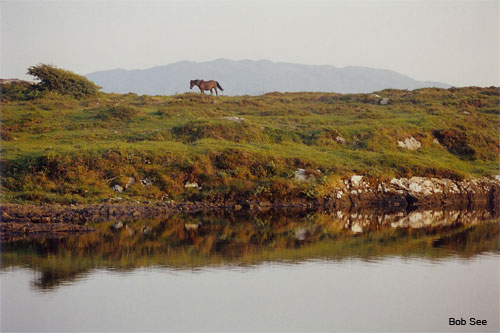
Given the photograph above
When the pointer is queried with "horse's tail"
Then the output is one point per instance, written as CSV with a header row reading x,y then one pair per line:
x,y
218,86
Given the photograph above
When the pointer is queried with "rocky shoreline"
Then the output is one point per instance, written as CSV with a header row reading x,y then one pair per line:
x,y
354,193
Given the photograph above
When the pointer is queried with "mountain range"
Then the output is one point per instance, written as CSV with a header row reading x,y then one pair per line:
x,y
254,77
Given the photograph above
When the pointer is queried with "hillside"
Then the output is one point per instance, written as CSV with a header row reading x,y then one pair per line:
x,y
59,149
248,77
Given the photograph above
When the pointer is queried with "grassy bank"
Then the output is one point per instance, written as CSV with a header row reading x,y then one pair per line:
x,y
57,149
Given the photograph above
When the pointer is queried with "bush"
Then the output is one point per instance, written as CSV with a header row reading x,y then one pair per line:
x,y
119,112
62,81
230,131
17,91
456,142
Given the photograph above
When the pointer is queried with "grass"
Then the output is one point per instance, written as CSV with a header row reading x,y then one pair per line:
x,y
57,149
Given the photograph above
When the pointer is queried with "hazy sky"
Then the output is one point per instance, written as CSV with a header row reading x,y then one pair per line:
x,y
456,42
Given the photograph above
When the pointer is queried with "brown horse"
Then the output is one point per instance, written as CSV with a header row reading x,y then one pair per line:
x,y
206,85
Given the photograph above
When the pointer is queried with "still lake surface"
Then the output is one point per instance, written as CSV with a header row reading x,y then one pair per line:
x,y
268,271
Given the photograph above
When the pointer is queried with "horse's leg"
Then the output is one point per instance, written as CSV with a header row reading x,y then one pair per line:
x,y
216,93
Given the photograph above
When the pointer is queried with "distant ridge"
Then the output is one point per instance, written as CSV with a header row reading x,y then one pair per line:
x,y
254,77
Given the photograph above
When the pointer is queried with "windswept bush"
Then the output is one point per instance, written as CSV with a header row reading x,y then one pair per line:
x,y
62,81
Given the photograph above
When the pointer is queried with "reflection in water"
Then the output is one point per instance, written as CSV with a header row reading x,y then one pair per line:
x,y
237,238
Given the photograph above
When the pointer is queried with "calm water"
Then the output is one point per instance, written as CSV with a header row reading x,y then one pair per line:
x,y
363,271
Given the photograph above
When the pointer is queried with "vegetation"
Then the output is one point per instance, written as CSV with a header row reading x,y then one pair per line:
x,y
70,146
64,82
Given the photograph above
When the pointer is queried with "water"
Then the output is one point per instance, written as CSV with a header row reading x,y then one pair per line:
x,y
267,272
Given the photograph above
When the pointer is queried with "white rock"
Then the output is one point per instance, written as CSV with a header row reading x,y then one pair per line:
x,y
118,188
300,175
384,101
237,119
415,187
410,143
191,226
356,179
192,185
356,228
301,234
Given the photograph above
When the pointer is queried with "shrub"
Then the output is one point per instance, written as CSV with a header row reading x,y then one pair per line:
x,y
17,90
119,112
456,142
236,132
62,81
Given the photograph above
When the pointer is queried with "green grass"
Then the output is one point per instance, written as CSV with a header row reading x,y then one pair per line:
x,y
59,149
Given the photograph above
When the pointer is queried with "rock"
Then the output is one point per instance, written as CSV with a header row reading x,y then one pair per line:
x,y
191,226
237,119
130,181
410,143
356,228
384,101
300,175
436,141
466,112
355,180
146,230
146,182
192,185
301,234
117,225
118,188
340,139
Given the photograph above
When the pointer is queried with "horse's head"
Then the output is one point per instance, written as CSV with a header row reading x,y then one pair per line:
x,y
192,83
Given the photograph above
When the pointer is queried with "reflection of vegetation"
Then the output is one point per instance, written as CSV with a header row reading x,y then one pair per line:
x,y
197,241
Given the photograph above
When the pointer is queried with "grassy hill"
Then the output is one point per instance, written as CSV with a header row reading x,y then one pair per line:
x,y
57,149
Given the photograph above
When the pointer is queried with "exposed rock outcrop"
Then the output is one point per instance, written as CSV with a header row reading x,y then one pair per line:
x,y
416,192
410,143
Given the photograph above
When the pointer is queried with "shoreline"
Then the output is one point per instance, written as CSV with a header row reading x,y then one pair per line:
x,y
400,194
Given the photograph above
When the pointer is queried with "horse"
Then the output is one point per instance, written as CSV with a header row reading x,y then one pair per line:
x,y
206,85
